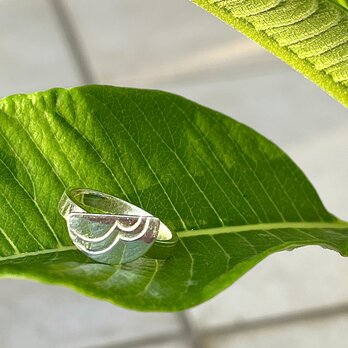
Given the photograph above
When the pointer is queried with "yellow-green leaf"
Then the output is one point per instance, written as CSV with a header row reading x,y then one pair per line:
x,y
310,35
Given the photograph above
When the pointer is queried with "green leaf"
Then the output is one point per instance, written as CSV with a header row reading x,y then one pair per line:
x,y
232,195
343,3
309,35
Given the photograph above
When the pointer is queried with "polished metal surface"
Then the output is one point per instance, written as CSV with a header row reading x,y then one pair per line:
x,y
112,231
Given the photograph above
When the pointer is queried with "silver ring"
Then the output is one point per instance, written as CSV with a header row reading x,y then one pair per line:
x,y
112,231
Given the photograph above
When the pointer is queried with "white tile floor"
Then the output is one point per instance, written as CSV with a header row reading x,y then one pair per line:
x,y
33,53
174,45
157,40
62,318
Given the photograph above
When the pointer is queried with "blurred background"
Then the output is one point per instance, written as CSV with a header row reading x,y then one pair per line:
x,y
292,299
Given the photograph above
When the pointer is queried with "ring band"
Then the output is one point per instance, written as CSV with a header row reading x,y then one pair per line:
x,y
112,231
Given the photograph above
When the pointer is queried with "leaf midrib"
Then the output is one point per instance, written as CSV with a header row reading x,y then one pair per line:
x,y
202,232
260,227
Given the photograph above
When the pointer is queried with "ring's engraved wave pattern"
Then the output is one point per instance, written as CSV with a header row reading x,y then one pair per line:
x,y
115,226
316,31
96,245
108,238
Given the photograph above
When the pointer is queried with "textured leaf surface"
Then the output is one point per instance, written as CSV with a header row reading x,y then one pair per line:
x,y
232,196
310,35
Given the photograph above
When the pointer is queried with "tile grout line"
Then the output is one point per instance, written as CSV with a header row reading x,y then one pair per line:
x,y
192,336
279,320
187,333
241,327
72,40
